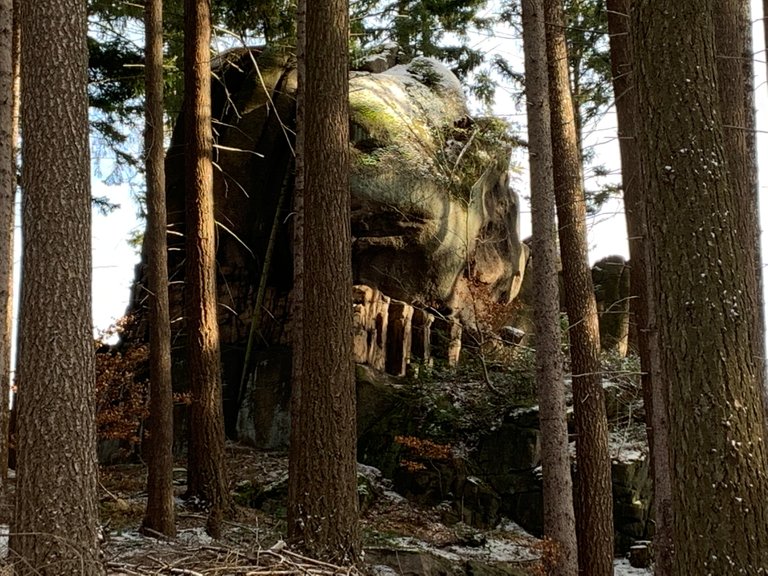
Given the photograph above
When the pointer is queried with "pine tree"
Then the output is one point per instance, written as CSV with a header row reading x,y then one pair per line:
x,y
559,521
55,524
207,476
159,517
7,214
594,508
642,307
322,490
705,293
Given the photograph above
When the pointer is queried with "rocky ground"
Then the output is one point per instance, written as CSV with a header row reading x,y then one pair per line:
x,y
400,536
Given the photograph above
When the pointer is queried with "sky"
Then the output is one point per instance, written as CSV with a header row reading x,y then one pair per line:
x,y
114,259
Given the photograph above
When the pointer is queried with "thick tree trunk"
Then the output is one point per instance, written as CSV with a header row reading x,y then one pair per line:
x,y
159,517
594,508
206,469
642,307
7,212
559,520
56,520
705,291
322,495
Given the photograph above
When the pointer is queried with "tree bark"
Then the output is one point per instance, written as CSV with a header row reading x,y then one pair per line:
x,y
322,494
56,519
7,213
642,307
559,520
594,509
733,45
159,516
207,476
705,292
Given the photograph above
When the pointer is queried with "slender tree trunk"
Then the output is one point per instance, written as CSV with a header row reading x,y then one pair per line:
x,y
733,45
159,516
7,198
55,525
705,293
322,494
206,469
594,509
642,305
559,520
765,35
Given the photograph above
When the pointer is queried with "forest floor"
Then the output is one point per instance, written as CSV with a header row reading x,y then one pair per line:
x,y
400,537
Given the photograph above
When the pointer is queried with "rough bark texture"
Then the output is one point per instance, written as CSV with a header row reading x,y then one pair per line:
x,y
705,292
765,32
56,519
733,49
594,508
207,476
322,495
159,516
642,308
7,197
559,520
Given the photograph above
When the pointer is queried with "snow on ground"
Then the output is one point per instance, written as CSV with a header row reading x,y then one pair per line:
x,y
622,568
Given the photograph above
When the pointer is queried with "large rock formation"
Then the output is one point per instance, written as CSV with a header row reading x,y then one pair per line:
x,y
434,221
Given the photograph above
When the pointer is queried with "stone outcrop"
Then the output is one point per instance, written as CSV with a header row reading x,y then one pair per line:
x,y
611,279
432,211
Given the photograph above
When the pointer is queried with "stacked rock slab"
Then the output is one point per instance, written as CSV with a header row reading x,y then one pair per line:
x,y
389,334
371,317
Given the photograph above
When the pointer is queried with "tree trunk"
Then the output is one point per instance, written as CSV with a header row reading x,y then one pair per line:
x,y
733,45
705,292
322,495
7,213
207,476
765,33
594,509
56,520
159,517
559,521
642,303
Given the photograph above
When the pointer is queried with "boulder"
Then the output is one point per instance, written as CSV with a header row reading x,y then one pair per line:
x,y
611,279
432,209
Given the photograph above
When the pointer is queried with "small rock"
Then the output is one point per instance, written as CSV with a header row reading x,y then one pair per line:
x,y
640,555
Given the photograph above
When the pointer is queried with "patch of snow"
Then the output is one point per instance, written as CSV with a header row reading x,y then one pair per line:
x,y
621,567
493,550
382,570
194,536
524,411
627,454
393,496
507,525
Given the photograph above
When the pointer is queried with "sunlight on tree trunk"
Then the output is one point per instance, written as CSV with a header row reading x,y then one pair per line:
x,y
55,524
207,476
159,517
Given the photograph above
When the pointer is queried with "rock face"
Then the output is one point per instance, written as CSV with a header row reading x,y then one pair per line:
x,y
611,279
430,190
434,222
429,185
